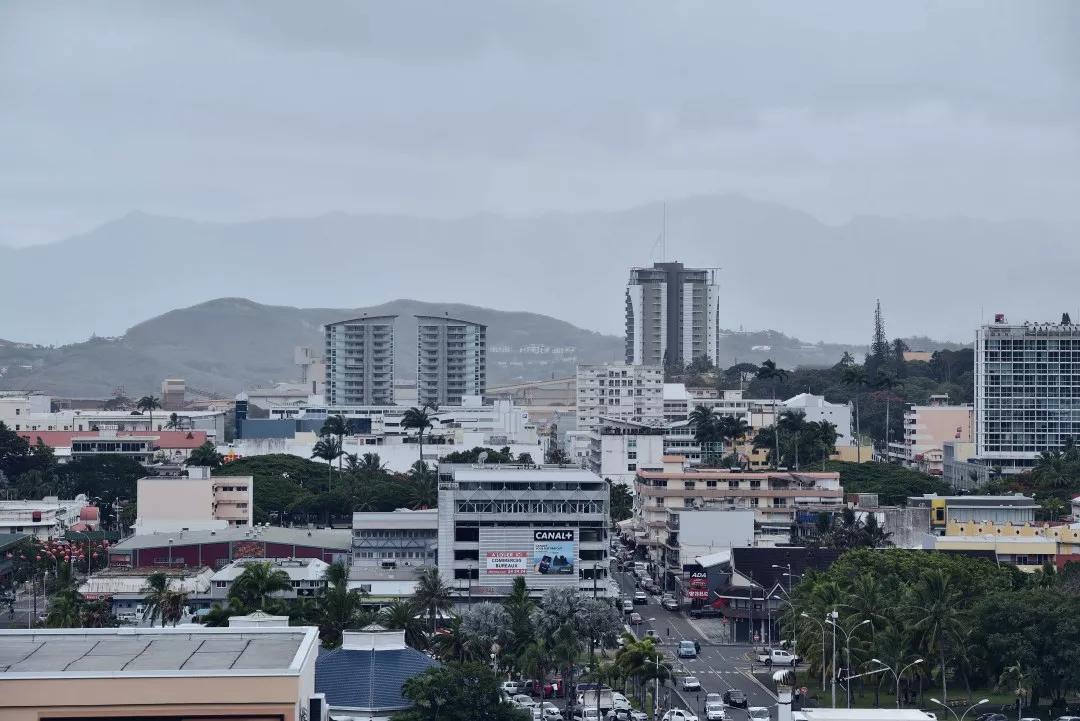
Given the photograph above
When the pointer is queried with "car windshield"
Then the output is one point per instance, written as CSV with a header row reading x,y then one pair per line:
x,y
759,713
691,679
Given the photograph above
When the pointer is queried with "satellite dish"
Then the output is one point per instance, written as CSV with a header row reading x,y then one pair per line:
x,y
482,458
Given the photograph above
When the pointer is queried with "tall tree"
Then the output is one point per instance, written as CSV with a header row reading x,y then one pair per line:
x,y
879,353
327,449
205,455
768,371
149,404
420,420
433,594
936,619
337,427
161,601
257,583
402,616
339,608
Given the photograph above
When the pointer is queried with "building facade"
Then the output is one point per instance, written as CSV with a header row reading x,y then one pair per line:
x,y
451,360
307,577
395,539
360,361
817,410
1027,391
195,502
1015,509
620,392
672,315
546,524
926,430
217,548
44,519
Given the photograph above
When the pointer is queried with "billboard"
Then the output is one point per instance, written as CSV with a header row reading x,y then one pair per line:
x,y
553,552
506,563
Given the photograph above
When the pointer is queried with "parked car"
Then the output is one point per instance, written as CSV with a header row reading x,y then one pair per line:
x,y
715,711
1002,717
550,712
510,688
585,714
678,714
524,700
687,649
669,603
627,606
757,713
636,619
651,633
780,657
690,683
640,597
735,698
639,716
705,612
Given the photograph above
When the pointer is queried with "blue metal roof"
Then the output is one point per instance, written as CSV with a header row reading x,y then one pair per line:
x,y
355,679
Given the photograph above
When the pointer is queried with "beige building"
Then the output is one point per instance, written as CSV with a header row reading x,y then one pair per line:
x,y
164,673
774,496
195,502
926,430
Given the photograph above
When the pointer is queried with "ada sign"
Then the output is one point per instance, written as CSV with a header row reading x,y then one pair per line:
x,y
506,563
553,552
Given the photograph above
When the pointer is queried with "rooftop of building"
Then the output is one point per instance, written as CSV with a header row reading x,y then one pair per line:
x,y
860,714
1017,500
46,503
125,652
298,569
706,474
511,472
335,538
132,581
362,319
448,319
427,518
162,439
368,671
376,572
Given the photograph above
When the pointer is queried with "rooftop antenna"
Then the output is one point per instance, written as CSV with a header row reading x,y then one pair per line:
x,y
663,237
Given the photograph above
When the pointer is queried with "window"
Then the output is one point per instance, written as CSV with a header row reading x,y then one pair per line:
x,y
631,466
632,455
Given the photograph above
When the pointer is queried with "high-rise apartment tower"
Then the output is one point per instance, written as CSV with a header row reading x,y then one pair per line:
x,y
451,360
671,315
360,361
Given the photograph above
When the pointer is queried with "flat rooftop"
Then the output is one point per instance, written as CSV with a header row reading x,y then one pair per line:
x,y
335,538
860,714
110,652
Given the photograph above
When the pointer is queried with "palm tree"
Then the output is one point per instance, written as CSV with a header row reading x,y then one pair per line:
x,y
1018,680
433,594
423,491
769,371
339,608
520,605
327,449
420,420
174,422
371,463
936,619
66,610
402,616
148,403
161,601
336,426
257,583
706,430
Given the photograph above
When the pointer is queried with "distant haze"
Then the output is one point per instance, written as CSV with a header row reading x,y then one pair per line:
x,y
516,155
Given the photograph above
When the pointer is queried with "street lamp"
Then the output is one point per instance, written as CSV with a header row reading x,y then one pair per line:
x,y
896,674
822,627
656,687
847,651
961,717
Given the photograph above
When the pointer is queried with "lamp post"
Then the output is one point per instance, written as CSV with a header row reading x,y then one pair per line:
x,y
847,650
656,688
961,716
896,673
822,627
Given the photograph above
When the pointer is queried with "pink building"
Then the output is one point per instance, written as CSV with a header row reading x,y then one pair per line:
x,y
927,428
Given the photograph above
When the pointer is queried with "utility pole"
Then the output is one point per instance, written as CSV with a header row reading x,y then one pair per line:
x,y
834,615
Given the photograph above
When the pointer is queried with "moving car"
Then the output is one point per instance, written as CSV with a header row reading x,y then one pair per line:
x,y
776,657
550,712
715,711
651,633
757,713
524,700
690,683
669,603
713,698
636,619
678,714
734,697
640,597
627,605
687,649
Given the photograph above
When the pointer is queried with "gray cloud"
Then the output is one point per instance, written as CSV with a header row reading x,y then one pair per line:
x,y
244,110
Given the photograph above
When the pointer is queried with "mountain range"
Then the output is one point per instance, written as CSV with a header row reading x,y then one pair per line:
x,y
781,268
228,345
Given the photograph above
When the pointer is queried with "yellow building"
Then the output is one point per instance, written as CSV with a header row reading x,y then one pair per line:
x,y
1065,538
1028,553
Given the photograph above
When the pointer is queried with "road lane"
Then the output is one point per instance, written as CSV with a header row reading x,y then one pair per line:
x,y
718,667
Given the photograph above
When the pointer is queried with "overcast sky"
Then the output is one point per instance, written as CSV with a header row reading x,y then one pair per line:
x,y
220,111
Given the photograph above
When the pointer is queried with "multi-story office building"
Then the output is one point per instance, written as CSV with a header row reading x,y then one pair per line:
x,y
360,361
619,392
451,360
927,428
1027,391
774,496
672,315
546,524
397,538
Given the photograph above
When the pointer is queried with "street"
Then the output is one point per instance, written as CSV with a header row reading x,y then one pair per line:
x,y
718,667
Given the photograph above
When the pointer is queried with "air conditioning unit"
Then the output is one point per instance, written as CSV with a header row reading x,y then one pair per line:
x,y
317,708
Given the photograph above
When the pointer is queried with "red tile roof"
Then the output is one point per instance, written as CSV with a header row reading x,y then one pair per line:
x,y
166,440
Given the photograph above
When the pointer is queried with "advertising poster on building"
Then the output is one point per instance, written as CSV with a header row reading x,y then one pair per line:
x,y
506,563
553,552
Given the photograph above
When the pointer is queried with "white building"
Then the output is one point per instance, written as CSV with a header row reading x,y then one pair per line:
x,y
127,587
195,502
360,361
1027,391
22,411
617,450
451,360
401,538
44,519
672,315
307,576
621,392
546,524
817,409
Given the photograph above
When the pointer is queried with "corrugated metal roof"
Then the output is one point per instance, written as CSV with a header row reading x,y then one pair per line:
x,y
369,679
